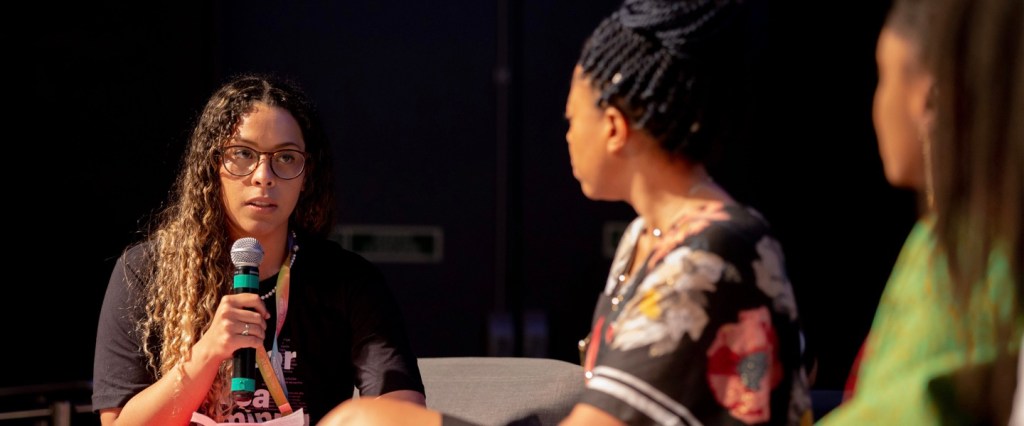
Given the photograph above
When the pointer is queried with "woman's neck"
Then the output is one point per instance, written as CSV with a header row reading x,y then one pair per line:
x,y
659,197
275,248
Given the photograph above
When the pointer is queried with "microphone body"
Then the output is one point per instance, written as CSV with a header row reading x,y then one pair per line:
x,y
246,255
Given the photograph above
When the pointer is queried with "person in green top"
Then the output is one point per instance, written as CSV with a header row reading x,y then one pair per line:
x,y
949,116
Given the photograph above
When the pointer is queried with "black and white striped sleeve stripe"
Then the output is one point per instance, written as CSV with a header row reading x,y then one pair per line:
x,y
641,396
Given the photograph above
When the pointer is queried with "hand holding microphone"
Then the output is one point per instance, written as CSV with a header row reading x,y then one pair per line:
x,y
246,255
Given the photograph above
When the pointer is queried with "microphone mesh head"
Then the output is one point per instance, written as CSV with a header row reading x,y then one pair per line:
x,y
246,252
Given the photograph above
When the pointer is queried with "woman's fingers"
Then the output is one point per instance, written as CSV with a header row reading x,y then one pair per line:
x,y
240,319
250,301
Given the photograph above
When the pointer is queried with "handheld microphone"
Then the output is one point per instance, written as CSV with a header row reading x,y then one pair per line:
x,y
246,254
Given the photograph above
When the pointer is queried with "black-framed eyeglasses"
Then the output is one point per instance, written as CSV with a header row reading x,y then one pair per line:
x,y
242,161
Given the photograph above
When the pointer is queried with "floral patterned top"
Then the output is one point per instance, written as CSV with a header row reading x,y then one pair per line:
x,y
705,332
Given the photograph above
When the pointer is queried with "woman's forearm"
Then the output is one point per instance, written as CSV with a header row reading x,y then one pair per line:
x,y
172,399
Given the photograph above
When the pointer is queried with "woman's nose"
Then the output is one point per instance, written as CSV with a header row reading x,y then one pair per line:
x,y
263,175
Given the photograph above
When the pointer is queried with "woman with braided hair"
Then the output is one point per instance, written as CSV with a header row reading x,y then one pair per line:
x,y
697,323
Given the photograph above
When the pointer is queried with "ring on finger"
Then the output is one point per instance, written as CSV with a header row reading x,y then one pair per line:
x,y
245,332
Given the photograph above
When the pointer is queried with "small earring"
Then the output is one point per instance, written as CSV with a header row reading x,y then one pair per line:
x,y
929,182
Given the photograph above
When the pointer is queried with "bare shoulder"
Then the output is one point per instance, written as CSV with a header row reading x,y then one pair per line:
x,y
380,411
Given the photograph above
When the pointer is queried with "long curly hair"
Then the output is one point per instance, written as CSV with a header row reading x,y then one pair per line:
x,y
189,242
669,67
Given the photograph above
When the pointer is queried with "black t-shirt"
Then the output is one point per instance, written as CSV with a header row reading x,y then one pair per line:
x,y
343,329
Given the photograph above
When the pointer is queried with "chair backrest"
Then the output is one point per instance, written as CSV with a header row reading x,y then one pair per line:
x,y
498,390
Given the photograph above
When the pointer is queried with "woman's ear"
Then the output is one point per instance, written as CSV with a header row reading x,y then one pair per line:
x,y
929,114
921,97
617,129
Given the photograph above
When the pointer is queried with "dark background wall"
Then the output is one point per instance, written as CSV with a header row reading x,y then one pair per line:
x,y
427,131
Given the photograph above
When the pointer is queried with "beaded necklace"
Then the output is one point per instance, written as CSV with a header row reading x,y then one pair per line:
x,y
293,248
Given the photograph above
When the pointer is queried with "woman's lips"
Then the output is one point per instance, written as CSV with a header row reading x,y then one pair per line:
x,y
261,204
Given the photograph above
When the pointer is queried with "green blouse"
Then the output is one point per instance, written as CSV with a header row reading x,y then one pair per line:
x,y
921,336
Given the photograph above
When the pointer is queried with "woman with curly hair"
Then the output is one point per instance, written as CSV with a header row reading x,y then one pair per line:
x,y
257,166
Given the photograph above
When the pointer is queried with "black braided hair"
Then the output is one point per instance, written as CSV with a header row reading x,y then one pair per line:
x,y
657,61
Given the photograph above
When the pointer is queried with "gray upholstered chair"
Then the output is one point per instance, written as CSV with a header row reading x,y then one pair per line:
x,y
496,390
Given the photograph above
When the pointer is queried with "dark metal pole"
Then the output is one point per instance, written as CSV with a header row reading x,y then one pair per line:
x,y
508,186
